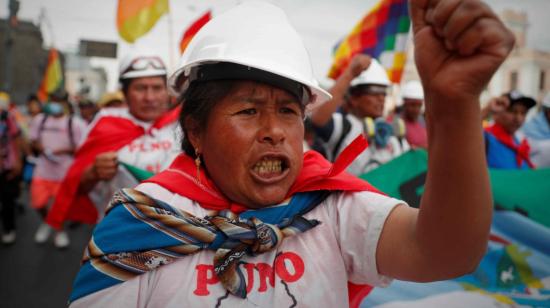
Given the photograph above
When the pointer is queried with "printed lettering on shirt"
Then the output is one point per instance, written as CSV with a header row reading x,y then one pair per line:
x,y
147,146
287,266
155,168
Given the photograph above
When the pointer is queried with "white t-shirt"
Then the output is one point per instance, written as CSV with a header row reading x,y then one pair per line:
x,y
373,156
153,151
53,133
310,269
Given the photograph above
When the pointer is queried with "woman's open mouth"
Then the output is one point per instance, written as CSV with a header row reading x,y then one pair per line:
x,y
270,169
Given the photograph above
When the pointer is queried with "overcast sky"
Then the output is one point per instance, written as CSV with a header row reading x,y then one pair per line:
x,y
321,24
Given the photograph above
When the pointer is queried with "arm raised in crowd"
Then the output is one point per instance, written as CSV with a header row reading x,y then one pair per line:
x,y
323,113
459,44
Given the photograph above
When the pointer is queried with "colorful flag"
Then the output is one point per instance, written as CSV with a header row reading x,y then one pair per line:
x,y
382,34
108,133
524,191
193,29
53,77
136,17
514,271
137,173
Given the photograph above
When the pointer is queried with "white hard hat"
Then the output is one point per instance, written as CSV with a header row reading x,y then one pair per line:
x,y
141,63
375,74
412,90
546,100
256,35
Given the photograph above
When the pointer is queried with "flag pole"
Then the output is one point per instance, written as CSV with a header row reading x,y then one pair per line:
x,y
170,41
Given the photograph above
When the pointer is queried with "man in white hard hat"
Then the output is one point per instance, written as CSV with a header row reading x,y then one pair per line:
x,y
141,137
360,94
537,131
415,127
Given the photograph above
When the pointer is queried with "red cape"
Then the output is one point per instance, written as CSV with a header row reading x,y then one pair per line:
x,y
110,133
316,174
522,150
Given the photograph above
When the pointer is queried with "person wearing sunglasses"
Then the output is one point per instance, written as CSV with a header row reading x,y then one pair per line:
x,y
121,143
356,108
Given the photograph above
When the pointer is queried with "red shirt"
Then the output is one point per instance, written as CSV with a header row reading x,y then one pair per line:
x,y
416,135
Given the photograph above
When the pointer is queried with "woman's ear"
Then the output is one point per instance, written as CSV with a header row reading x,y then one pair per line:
x,y
193,133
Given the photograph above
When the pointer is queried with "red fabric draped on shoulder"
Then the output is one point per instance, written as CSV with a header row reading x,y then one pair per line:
x,y
317,174
110,133
522,150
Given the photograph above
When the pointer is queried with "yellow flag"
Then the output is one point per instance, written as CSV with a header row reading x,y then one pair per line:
x,y
136,17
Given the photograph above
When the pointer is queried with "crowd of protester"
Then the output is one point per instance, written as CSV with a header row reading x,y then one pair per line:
x,y
72,156
40,139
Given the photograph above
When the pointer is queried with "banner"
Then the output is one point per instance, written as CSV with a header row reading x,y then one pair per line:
x,y
514,272
382,34
524,191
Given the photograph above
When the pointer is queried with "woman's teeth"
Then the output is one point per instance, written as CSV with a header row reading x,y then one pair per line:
x,y
268,166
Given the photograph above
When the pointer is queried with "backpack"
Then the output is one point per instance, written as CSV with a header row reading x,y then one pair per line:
x,y
69,129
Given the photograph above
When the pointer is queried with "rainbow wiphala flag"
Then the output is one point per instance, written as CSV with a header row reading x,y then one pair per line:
x,y
382,34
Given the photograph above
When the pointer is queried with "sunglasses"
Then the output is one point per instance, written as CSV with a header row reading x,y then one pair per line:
x,y
144,63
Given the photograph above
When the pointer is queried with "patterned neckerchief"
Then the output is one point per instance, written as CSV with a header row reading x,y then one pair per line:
x,y
115,254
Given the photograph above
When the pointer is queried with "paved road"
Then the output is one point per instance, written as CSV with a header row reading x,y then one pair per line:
x,y
33,275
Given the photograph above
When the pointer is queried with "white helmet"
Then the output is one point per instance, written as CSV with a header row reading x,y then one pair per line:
x,y
375,74
412,90
256,35
141,63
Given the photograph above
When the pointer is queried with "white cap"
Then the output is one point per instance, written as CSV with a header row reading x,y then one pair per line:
x,y
375,74
412,90
141,63
253,34
546,100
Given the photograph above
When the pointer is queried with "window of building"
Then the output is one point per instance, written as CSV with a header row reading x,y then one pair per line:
x,y
542,80
514,81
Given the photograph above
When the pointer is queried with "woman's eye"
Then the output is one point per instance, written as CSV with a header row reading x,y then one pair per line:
x,y
249,111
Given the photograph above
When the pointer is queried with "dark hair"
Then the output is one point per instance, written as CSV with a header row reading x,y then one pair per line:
x,y
197,103
362,89
60,96
32,97
125,83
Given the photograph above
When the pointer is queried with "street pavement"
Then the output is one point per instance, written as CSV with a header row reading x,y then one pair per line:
x,y
39,275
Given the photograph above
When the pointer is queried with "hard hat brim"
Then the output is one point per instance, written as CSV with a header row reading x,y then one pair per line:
x,y
178,81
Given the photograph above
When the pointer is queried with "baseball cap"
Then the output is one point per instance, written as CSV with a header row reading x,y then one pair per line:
x,y
517,97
